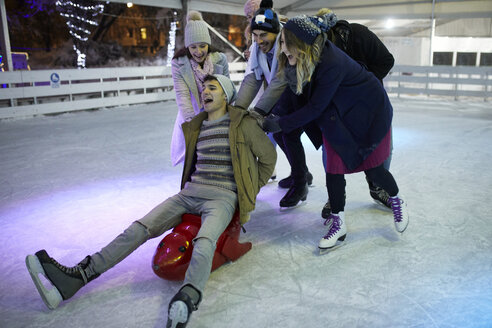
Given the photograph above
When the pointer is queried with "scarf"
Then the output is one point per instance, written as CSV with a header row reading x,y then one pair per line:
x,y
200,72
291,77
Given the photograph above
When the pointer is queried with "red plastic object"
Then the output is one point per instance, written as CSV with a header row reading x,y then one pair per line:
x,y
173,254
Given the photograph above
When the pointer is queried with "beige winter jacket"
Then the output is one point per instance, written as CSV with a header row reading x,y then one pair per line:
x,y
253,156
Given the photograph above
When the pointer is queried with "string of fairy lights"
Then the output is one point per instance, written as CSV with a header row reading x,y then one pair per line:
x,y
81,20
172,42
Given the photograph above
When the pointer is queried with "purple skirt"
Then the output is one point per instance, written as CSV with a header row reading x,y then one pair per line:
x,y
335,165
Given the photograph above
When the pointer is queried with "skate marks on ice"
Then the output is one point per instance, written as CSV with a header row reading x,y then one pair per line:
x,y
436,274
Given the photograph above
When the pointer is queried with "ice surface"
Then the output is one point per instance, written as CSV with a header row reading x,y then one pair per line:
x,y
70,183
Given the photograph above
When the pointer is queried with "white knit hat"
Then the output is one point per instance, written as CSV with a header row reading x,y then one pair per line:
x,y
196,30
227,86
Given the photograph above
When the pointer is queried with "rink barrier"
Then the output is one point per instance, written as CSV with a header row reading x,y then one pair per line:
x,y
31,93
458,82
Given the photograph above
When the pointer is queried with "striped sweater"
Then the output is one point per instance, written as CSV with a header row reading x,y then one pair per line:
x,y
213,165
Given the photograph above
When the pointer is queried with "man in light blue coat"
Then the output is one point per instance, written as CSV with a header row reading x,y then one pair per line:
x,y
261,89
262,64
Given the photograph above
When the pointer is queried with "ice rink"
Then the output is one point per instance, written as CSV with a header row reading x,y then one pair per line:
x,y
70,183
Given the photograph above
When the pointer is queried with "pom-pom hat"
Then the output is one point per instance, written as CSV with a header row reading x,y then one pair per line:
x,y
265,18
196,30
307,28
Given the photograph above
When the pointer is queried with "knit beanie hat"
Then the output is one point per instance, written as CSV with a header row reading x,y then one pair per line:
x,y
307,28
265,18
196,29
227,86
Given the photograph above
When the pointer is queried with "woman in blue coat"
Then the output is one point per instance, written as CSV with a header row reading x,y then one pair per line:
x,y
341,106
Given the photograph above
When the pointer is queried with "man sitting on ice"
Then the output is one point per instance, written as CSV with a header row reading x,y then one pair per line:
x,y
228,159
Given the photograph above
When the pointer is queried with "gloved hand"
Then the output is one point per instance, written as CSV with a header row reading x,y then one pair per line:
x,y
260,111
270,124
258,116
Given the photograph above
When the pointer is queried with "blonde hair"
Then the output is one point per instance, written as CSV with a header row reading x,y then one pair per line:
x,y
307,56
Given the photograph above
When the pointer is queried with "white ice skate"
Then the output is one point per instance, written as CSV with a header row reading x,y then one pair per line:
x,y
52,296
335,237
400,213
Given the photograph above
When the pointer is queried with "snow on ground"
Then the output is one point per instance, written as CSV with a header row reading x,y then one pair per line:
x,y
70,183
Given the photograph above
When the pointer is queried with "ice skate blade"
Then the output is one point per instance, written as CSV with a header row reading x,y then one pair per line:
x,y
299,204
323,251
178,313
51,297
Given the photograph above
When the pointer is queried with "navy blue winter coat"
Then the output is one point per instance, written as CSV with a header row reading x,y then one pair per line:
x,y
344,102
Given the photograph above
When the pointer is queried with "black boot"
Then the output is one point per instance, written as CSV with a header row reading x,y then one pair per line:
x,y
378,194
181,307
66,280
295,194
287,182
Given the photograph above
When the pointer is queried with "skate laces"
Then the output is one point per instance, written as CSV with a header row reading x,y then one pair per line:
x,y
64,268
334,221
69,270
396,207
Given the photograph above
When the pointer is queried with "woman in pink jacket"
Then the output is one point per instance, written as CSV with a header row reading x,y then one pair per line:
x,y
190,65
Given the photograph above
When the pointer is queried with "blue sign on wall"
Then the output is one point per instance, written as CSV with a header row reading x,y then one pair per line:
x,y
55,80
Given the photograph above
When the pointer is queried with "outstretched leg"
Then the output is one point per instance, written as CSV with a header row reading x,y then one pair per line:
x,y
66,281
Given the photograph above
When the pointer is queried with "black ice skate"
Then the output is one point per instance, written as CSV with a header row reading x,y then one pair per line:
x,y
379,195
180,309
294,195
326,211
65,281
287,182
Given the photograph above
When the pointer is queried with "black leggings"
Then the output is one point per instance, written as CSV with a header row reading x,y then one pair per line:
x,y
291,144
335,184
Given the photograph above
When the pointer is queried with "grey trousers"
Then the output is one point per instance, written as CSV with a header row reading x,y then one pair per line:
x,y
216,216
